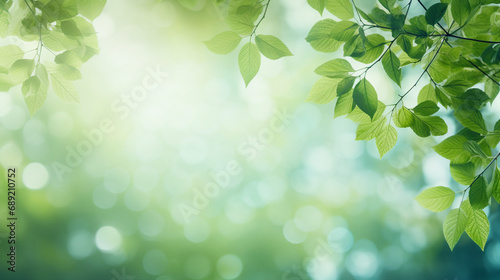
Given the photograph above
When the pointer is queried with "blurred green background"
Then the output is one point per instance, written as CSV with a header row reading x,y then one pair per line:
x,y
305,202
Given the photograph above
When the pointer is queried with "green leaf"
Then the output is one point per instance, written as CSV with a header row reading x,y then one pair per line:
x,y
223,43
320,36
365,97
427,93
460,9
21,70
456,86
70,29
355,47
272,47
435,125
452,148
335,68
463,173
477,194
454,225
404,118
478,226
374,47
91,9
491,89
345,105
42,74
10,54
340,8
405,43
249,62
368,131
63,88
426,108
240,24
392,67
344,30
358,116
34,94
67,72
386,139
345,85
496,186
388,4
72,58
436,199
472,119
420,128
323,91
435,13
474,148
318,5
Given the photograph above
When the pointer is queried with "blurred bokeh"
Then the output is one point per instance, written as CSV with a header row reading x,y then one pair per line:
x,y
190,175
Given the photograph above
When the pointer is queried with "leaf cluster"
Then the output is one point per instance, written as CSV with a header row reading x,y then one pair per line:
x,y
63,30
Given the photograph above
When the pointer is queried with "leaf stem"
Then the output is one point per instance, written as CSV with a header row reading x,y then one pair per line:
x,y
484,170
421,75
261,19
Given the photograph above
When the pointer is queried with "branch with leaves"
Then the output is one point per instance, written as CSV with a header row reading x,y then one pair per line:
x,y
244,18
457,45
63,29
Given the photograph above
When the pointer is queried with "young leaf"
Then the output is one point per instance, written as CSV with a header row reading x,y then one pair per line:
x,y
34,94
344,30
491,89
436,125
472,119
452,148
271,47
368,131
10,54
240,24
436,199
358,116
419,127
335,68
345,105
460,9
463,173
404,118
70,29
454,225
249,62
318,5
323,91
478,226
345,85
474,148
320,36
435,13
91,9
496,186
365,97
405,43
340,8
63,88
426,108
392,67
223,43
386,139
21,70
374,47
477,194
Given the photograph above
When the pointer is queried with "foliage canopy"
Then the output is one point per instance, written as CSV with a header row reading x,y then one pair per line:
x,y
456,43
61,30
